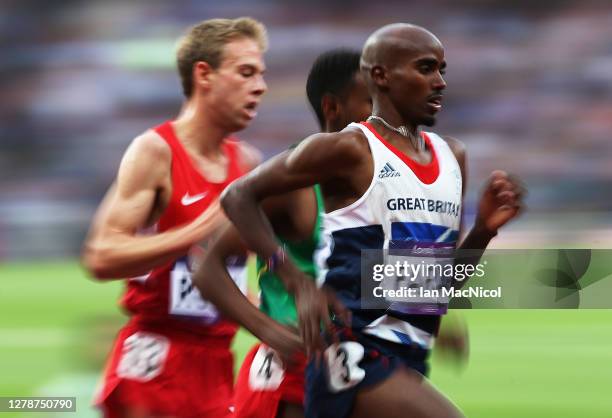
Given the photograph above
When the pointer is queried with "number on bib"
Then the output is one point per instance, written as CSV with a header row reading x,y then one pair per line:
x,y
267,372
342,360
143,356
185,298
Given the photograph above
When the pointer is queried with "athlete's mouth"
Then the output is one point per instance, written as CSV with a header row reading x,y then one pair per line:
x,y
435,101
251,109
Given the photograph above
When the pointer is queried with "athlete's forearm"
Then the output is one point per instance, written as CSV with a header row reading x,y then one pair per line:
x,y
478,238
243,209
113,255
216,285
124,256
473,247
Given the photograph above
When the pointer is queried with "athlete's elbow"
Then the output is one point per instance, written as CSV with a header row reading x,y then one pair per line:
x,y
96,261
230,198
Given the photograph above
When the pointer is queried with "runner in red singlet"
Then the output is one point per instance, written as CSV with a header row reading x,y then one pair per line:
x,y
172,359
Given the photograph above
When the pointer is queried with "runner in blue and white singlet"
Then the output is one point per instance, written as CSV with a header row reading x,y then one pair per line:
x,y
407,205
386,186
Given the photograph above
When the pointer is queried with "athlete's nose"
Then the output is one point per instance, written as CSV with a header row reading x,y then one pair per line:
x,y
260,86
439,83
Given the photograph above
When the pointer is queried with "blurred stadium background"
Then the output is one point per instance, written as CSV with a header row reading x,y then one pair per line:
x,y
529,91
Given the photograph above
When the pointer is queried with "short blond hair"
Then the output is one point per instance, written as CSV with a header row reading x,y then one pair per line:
x,y
205,42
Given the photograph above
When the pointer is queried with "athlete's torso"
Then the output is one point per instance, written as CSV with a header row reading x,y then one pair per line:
x,y
276,302
407,205
166,296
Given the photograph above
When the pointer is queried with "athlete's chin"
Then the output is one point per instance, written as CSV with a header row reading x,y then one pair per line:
x,y
241,124
428,120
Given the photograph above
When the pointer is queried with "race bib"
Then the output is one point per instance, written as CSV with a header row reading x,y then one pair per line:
x,y
267,372
342,365
185,298
419,279
143,356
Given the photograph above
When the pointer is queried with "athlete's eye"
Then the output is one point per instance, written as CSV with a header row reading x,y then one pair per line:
x,y
247,71
425,69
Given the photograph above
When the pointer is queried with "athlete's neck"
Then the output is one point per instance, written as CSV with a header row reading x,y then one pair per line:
x,y
333,126
197,131
393,118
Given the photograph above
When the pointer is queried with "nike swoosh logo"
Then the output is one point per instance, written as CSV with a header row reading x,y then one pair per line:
x,y
188,200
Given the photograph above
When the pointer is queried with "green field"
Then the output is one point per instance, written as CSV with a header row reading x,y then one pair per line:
x,y
56,327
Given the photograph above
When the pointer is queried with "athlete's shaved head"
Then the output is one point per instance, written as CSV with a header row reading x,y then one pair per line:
x,y
390,44
402,65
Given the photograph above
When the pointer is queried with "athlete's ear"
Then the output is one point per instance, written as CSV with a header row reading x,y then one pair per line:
x,y
330,107
202,72
378,73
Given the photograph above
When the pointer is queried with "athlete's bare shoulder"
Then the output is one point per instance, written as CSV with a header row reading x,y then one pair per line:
x,y
355,139
150,145
146,163
249,156
339,148
352,146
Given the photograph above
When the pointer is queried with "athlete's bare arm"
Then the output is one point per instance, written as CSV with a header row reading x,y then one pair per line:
x,y
113,249
318,159
501,201
215,284
321,158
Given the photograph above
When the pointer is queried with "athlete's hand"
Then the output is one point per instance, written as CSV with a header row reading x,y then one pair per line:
x,y
311,305
341,313
313,311
501,201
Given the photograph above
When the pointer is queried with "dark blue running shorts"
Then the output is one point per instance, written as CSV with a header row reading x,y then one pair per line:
x,y
357,361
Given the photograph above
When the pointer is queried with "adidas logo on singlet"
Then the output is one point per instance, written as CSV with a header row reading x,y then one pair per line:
x,y
388,171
